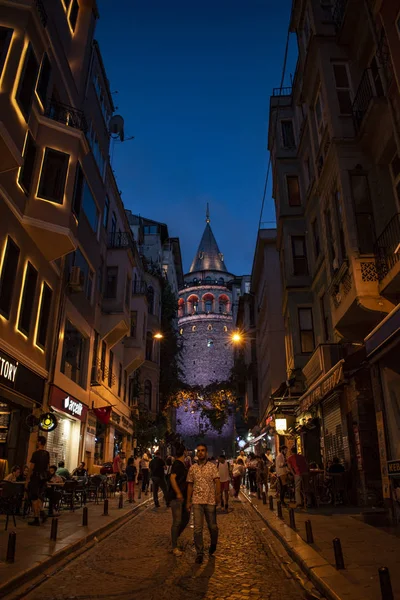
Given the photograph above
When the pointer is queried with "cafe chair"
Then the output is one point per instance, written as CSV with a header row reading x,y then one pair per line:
x,y
11,495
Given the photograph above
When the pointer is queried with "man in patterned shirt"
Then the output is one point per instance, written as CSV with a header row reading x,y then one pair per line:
x,y
204,493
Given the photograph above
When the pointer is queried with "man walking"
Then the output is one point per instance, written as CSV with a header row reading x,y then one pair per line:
x,y
37,480
177,498
158,477
144,470
282,473
224,478
298,466
204,492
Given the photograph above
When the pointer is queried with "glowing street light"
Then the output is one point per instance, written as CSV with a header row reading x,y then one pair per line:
x,y
158,336
237,337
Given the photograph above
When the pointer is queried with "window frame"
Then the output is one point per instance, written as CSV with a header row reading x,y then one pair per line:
x,y
74,5
107,288
297,258
39,92
26,110
289,196
64,172
78,193
349,88
27,299
9,32
9,276
27,186
284,145
43,320
306,331
83,355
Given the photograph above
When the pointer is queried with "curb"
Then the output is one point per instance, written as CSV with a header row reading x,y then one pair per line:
x,y
22,578
327,580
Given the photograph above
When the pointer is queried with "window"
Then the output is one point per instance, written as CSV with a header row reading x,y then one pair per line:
x,y
209,327
44,316
80,261
319,115
210,343
100,275
363,212
106,212
5,40
125,384
90,208
95,352
8,275
110,368
340,219
113,225
133,323
27,299
306,330
26,171
74,354
324,318
78,191
150,229
307,172
208,305
97,152
147,394
128,287
120,379
73,14
300,266
149,346
225,329
150,299
66,4
181,331
111,282
343,90
103,360
315,234
44,80
53,175
194,328
27,82
329,238
293,189
288,140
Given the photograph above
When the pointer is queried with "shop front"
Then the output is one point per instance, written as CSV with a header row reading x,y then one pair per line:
x,y
21,392
65,442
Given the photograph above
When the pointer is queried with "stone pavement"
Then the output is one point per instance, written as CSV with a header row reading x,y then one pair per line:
x,y
365,550
34,549
136,563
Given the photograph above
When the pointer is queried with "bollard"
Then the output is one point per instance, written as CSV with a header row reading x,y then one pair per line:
x,y
12,540
337,548
140,493
85,517
309,533
271,503
258,493
292,522
386,584
264,498
54,527
105,512
279,509
121,501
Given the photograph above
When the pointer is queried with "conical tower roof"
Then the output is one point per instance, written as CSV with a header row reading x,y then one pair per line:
x,y
208,256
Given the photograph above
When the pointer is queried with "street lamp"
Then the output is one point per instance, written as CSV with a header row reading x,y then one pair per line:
x,y
158,336
237,337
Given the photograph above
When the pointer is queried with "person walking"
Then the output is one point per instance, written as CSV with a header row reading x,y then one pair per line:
x,y
117,470
177,498
237,475
130,472
204,493
36,482
252,472
298,466
282,473
224,477
156,467
144,470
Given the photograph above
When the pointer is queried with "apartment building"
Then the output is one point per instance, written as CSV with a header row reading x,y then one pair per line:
x,y
333,138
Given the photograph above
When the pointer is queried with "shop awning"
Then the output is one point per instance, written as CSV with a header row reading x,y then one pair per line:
x,y
383,333
257,439
325,384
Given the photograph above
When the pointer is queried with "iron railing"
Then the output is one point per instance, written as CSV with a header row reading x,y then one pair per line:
x,y
387,247
139,288
100,373
367,90
121,240
42,12
338,12
282,91
67,115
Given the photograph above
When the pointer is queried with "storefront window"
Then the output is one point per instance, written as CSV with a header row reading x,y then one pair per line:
x,y
99,444
118,440
73,358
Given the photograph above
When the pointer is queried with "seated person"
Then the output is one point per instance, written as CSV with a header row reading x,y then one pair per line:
x,y
62,471
80,471
15,473
53,493
54,477
24,475
336,467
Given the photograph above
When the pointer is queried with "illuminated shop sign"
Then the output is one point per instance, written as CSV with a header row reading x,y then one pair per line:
x,y
15,376
73,406
48,422
8,369
67,404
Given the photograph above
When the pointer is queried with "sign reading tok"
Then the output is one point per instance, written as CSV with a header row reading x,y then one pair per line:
x,y
73,406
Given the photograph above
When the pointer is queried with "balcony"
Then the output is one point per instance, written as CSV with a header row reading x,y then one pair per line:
x,y
387,251
134,354
122,240
100,374
346,17
282,91
67,115
41,11
139,288
370,105
324,357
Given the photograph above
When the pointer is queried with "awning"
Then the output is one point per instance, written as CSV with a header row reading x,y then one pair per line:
x,y
325,384
387,329
257,439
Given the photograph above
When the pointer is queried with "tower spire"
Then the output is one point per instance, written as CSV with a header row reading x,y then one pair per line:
x,y
207,214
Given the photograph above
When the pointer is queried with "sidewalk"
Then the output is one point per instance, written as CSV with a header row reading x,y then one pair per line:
x,y
34,550
365,550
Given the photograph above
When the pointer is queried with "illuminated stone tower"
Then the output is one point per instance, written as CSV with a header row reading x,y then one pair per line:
x,y
205,323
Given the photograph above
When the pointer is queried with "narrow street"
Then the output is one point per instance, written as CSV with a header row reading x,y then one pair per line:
x,y
136,562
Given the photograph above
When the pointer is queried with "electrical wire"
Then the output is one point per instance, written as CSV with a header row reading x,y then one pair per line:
x,y
274,127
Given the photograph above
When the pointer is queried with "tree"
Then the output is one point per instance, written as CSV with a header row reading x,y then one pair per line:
x,y
171,374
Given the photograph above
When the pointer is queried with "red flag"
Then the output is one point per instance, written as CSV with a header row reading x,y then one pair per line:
x,y
103,414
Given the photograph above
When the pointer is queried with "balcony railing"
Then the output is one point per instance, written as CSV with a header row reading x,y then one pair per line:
x,y
67,115
121,240
139,288
368,89
42,12
100,374
387,247
282,91
338,12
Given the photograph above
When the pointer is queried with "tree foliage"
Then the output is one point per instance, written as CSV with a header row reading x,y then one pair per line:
x,y
171,374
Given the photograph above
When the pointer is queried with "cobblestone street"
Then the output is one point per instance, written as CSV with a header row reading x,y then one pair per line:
x,y
136,563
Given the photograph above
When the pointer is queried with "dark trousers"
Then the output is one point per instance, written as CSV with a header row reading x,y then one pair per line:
x,y
208,511
283,488
252,479
180,519
145,479
159,482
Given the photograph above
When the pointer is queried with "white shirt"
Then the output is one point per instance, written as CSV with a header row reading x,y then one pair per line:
x,y
281,468
223,469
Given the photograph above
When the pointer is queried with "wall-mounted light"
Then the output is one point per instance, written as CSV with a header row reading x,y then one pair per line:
x,y
158,336
281,424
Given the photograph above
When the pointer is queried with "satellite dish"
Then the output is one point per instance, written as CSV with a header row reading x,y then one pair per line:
x,y
116,126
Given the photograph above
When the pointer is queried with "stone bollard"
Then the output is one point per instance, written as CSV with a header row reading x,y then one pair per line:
x,y
264,498
105,512
309,533
54,528
121,501
271,503
85,517
337,548
385,583
292,522
258,493
279,509
12,541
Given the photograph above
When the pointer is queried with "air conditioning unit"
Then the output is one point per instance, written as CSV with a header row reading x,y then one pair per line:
x,y
97,376
76,279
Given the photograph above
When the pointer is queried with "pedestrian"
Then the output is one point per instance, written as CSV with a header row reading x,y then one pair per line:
x,y
177,496
117,470
336,467
52,493
282,473
252,472
156,467
62,471
224,477
262,474
14,475
144,469
37,480
204,492
298,466
237,475
269,457
167,471
136,462
131,476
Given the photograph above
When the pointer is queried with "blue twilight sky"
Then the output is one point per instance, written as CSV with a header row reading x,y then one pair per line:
x,y
194,79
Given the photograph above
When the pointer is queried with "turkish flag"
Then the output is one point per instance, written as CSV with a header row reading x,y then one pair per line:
x,y
103,414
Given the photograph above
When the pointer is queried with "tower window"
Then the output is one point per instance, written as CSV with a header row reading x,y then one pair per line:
x,y
194,328
210,343
225,328
181,331
209,327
